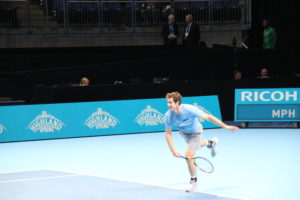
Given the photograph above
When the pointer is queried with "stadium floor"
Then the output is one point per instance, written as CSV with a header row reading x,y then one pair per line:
x,y
252,164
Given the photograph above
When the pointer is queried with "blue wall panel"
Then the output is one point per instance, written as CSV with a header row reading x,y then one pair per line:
x,y
50,121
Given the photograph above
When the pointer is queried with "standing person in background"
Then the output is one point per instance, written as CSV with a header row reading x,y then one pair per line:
x,y
170,32
191,34
269,36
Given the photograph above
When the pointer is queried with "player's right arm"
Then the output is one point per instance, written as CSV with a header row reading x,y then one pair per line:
x,y
170,142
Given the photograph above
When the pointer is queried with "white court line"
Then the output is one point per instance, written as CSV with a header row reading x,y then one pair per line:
x,y
140,182
22,171
37,179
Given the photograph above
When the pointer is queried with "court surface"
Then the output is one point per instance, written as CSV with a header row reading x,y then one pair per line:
x,y
251,164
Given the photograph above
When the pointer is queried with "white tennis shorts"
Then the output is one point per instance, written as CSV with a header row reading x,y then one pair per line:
x,y
193,140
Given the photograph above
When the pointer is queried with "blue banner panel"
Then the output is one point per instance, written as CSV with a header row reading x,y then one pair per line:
x,y
268,112
51,121
281,104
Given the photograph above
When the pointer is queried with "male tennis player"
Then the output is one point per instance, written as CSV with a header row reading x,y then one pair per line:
x,y
185,118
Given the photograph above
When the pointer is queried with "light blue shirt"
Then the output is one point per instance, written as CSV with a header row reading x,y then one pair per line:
x,y
187,121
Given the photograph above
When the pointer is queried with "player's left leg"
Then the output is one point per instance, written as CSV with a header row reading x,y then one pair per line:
x,y
203,143
212,144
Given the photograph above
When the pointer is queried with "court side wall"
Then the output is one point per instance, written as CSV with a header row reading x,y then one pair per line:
x,y
51,121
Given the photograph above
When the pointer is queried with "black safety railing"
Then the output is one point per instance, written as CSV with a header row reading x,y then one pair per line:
x,y
100,16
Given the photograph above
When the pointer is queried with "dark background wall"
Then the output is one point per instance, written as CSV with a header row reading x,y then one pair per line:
x,y
48,75
284,17
52,75
65,66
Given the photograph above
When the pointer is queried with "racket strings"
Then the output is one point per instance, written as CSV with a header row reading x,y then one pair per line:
x,y
204,164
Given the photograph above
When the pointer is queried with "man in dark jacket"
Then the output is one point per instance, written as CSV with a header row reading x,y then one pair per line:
x,y
170,32
191,34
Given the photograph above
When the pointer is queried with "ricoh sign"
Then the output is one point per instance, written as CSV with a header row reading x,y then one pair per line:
x,y
281,104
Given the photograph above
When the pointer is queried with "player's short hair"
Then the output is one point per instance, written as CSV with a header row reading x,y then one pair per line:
x,y
175,95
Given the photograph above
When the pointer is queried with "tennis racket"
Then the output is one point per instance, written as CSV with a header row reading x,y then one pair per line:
x,y
202,163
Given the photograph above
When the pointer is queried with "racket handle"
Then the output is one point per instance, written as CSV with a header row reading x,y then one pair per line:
x,y
183,157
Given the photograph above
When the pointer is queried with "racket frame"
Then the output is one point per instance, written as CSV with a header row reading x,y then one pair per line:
x,y
199,157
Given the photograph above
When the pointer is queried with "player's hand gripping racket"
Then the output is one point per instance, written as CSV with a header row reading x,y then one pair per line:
x,y
202,163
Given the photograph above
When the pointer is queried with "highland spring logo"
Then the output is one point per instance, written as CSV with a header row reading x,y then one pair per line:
x,y
45,123
203,109
100,120
150,117
2,128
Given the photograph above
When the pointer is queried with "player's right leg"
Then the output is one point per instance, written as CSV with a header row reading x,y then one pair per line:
x,y
190,154
193,145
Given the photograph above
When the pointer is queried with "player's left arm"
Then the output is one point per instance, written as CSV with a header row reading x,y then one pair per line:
x,y
218,122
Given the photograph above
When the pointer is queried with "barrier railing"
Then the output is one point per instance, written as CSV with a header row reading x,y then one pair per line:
x,y
68,16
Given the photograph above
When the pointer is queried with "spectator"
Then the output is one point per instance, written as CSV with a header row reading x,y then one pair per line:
x,y
237,75
84,81
191,34
167,11
264,73
155,15
142,19
48,9
170,32
269,36
148,15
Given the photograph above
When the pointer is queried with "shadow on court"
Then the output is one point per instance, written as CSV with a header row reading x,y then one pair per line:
x,y
56,185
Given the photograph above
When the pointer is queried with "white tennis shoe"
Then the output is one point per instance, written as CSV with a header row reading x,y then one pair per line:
x,y
192,187
214,146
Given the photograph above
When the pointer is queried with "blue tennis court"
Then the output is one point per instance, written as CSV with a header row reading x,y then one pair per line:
x,y
50,184
251,164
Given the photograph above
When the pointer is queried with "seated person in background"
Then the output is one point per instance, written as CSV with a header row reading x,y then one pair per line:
x,y
237,75
264,73
84,81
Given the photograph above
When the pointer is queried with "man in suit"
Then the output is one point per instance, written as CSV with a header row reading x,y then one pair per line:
x,y
170,32
191,34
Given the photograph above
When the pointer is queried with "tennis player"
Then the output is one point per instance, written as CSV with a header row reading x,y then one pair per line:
x,y
185,118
